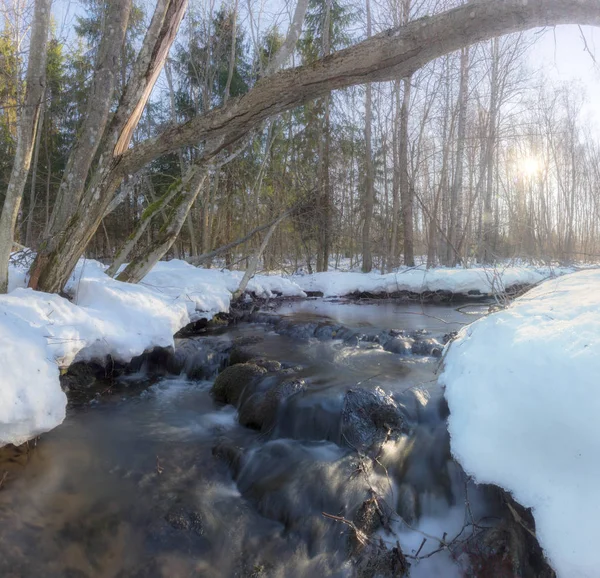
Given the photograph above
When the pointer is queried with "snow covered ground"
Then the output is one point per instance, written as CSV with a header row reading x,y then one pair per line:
x,y
480,280
39,332
524,395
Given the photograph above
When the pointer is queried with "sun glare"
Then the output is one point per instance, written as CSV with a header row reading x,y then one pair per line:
x,y
530,166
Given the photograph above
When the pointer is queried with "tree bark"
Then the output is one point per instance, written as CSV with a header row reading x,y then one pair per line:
x,y
456,200
67,240
488,217
395,53
96,117
34,170
367,263
393,261
251,270
26,133
406,191
185,196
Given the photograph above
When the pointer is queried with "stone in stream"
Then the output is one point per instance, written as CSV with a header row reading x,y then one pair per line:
x,y
198,357
242,350
376,561
230,453
399,345
259,411
326,331
427,347
369,417
270,365
232,381
181,519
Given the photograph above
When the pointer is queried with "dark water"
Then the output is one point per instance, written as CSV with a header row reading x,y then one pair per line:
x,y
130,485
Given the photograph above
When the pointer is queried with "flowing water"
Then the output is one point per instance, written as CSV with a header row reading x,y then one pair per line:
x,y
154,478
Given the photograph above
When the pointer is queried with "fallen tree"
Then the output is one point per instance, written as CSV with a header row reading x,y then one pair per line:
x,y
398,52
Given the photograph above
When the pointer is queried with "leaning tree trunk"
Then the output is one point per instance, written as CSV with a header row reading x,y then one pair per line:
x,y
149,213
96,117
395,53
185,196
156,251
26,133
67,240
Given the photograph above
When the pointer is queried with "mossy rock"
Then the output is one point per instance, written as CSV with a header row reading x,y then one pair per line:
x,y
232,381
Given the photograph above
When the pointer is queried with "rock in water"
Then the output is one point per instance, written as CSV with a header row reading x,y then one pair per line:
x,y
232,381
259,411
369,417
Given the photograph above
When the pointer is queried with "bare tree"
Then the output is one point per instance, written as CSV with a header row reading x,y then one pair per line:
x,y
27,127
367,263
399,52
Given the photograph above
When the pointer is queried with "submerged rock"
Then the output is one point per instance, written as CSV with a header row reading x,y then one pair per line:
x,y
230,453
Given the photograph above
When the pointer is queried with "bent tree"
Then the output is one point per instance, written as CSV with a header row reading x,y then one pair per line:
x,y
398,52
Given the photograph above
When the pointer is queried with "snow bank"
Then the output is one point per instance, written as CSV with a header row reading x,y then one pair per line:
x,y
31,401
483,281
40,332
524,397
206,292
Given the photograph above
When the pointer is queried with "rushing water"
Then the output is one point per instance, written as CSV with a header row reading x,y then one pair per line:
x,y
130,484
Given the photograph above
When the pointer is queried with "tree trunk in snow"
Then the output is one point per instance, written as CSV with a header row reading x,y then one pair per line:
x,y
488,217
393,260
456,201
151,211
34,169
251,270
153,253
96,117
367,263
392,54
27,125
406,191
67,240
184,197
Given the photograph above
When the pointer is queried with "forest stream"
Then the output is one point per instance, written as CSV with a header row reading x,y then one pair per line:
x,y
339,447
